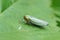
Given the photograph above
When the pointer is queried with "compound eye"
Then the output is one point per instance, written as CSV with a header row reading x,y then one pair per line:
x,y
26,19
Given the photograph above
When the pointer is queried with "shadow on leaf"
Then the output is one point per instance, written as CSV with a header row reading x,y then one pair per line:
x,y
58,16
58,22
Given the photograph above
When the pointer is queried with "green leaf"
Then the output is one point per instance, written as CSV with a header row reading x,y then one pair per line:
x,y
0,6
6,4
12,26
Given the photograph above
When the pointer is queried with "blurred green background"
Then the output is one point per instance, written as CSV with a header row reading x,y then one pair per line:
x,y
12,26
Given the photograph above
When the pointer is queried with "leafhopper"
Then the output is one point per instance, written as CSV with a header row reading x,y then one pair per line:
x,y
32,20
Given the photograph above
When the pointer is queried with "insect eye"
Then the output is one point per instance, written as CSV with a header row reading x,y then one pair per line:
x,y
26,19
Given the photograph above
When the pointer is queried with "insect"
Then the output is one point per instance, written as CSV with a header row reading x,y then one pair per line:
x,y
32,20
